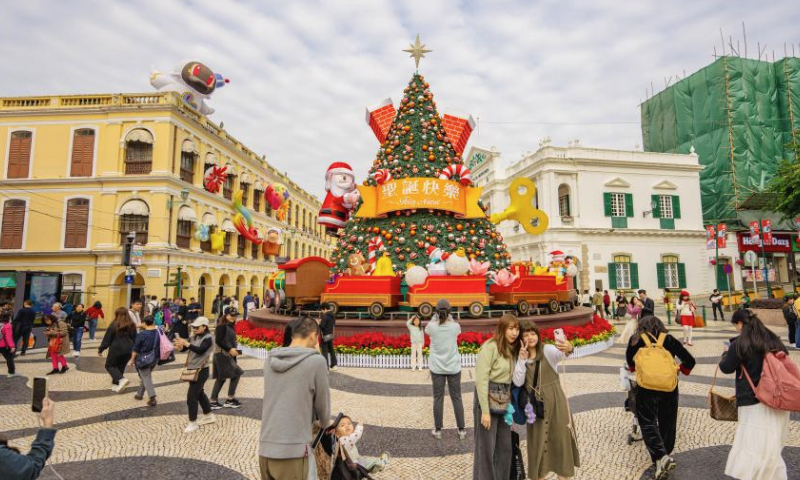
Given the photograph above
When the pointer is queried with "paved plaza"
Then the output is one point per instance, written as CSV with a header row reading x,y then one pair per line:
x,y
104,435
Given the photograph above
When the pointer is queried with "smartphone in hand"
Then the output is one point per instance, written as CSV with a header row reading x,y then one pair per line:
x,y
559,335
39,393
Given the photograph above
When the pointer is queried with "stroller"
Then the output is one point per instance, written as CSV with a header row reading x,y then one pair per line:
x,y
628,384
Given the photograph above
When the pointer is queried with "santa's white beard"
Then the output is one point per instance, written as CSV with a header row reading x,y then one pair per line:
x,y
337,191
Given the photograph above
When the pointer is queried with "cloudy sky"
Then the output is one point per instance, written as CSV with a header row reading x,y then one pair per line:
x,y
302,72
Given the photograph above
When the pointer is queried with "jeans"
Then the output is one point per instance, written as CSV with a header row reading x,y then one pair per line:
x,y
416,356
77,338
657,413
219,382
9,356
146,376
454,386
92,327
24,333
329,353
714,308
196,395
492,459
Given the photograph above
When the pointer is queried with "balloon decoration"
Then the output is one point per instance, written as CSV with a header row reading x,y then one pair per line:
x,y
272,242
217,241
193,81
521,208
201,232
214,178
277,196
243,221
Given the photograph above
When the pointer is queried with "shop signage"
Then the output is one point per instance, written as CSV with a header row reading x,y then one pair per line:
x,y
411,193
748,274
780,243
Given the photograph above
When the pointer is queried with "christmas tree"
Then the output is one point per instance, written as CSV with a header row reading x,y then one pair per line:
x,y
416,151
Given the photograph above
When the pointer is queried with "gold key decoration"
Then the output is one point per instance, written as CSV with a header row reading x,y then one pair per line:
x,y
522,192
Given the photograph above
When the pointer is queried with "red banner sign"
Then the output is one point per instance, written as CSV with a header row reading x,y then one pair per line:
x,y
797,224
722,235
766,228
710,234
780,243
754,233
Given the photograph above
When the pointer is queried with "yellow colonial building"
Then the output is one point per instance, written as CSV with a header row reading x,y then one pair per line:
x,y
79,173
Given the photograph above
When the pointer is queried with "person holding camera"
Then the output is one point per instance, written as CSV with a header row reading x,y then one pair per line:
x,y
16,466
444,362
225,366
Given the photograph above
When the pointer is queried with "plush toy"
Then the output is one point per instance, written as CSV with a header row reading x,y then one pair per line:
x,y
214,177
272,242
201,232
193,81
243,221
415,275
217,241
478,268
503,277
383,267
340,183
457,263
356,265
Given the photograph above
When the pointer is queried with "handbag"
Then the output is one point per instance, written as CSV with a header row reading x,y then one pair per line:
x,y
151,358
191,374
698,321
499,396
723,407
327,338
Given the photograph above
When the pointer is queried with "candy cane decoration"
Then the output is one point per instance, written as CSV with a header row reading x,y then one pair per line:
x,y
382,175
464,175
374,245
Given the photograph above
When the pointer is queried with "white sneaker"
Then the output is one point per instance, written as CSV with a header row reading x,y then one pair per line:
x,y
76,354
206,419
664,465
437,434
122,384
462,434
12,375
334,368
193,426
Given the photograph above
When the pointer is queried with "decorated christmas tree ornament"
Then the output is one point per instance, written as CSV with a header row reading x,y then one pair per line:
x,y
375,245
382,175
342,196
457,170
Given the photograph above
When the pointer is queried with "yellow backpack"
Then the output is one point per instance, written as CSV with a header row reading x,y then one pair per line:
x,y
655,366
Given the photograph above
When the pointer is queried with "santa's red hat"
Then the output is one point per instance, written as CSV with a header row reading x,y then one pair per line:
x,y
556,253
339,167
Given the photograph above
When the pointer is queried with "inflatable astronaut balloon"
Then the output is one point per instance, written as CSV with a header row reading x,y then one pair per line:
x,y
193,81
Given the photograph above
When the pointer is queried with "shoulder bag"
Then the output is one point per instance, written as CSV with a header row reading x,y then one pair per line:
x,y
191,374
723,407
500,394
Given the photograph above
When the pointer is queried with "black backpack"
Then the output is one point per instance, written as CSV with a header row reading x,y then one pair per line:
x,y
346,469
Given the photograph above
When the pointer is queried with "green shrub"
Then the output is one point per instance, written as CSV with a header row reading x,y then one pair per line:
x,y
767,303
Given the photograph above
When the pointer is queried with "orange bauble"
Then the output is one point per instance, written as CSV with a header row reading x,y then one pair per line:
x,y
496,256
459,227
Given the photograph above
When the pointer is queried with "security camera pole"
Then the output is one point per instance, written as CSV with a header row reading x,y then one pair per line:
x,y
127,248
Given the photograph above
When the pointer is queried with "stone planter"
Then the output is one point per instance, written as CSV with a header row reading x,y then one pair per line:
x,y
771,317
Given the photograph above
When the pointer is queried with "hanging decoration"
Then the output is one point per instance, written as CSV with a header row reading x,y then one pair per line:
x,y
214,177
217,241
272,242
521,208
340,183
201,232
193,81
458,170
243,221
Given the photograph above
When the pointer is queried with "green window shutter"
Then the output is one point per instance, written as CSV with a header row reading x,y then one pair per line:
x,y
607,203
629,205
676,206
682,275
634,276
655,201
662,275
612,276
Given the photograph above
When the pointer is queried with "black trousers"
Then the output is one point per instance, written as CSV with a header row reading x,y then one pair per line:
x,y
219,382
608,312
657,413
196,395
115,366
792,332
329,353
714,308
9,356
22,332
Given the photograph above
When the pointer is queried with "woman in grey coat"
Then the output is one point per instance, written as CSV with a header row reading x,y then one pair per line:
x,y
225,366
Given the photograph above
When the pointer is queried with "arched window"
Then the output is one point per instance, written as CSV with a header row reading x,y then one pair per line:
x,y
244,186
188,156
13,228
138,152
82,153
564,201
19,154
227,186
134,216
76,226
258,193
186,217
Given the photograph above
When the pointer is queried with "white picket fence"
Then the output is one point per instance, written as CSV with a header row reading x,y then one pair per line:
x,y
404,361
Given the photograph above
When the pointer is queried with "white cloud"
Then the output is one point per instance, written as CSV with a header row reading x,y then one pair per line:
x,y
302,72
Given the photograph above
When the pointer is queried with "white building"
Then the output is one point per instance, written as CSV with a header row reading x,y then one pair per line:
x,y
629,219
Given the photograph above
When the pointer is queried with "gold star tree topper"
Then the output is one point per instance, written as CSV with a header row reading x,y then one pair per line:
x,y
417,51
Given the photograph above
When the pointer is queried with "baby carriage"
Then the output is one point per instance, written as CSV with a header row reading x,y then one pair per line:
x,y
628,384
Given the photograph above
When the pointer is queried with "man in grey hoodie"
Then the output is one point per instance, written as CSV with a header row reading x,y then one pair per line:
x,y
296,392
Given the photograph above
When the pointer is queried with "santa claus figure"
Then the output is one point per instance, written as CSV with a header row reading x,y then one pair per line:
x,y
559,262
342,197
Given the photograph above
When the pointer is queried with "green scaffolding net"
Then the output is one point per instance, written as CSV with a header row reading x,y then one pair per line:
x,y
738,114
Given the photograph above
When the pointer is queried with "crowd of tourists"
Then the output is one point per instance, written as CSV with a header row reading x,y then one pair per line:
x,y
517,382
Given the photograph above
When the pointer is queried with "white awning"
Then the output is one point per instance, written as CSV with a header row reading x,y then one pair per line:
x,y
210,220
189,147
139,135
245,178
259,185
134,207
211,159
231,171
227,226
186,213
